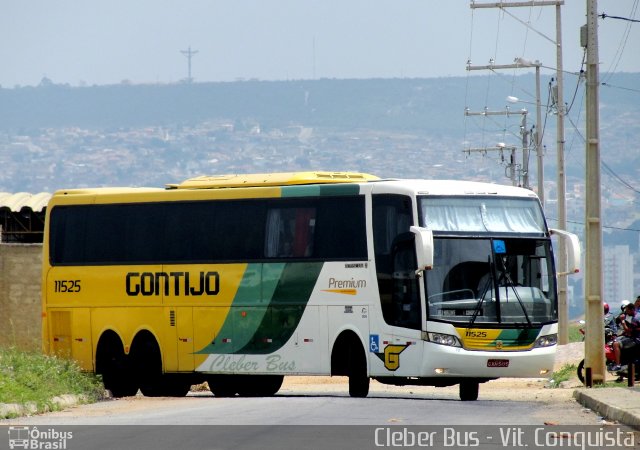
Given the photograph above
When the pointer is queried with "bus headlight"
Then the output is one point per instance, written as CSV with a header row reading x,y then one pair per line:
x,y
444,339
546,341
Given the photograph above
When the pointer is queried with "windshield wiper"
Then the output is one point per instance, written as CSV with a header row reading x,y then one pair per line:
x,y
510,284
485,289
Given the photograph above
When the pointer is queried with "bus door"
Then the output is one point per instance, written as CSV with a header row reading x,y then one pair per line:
x,y
403,356
400,345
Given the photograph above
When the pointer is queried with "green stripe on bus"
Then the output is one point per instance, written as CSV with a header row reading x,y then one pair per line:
x,y
285,309
248,307
518,338
267,308
318,190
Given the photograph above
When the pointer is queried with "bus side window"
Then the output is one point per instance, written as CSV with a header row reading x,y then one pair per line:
x,y
290,232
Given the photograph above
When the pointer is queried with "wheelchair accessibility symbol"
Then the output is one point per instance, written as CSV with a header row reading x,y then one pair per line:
x,y
374,343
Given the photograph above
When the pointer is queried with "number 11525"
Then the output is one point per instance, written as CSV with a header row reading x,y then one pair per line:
x,y
67,286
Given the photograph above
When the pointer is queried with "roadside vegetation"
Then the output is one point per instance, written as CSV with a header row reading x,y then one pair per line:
x,y
565,373
36,379
568,371
574,332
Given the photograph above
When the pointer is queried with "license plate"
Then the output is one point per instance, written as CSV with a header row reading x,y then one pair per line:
x,y
498,363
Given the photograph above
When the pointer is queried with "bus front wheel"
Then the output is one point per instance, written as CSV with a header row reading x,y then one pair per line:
x,y
358,377
469,390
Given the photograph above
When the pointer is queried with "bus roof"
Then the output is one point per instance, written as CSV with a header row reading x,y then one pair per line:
x,y
271,179
452,188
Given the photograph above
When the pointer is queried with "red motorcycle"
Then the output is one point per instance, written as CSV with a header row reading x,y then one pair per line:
x,y
627,357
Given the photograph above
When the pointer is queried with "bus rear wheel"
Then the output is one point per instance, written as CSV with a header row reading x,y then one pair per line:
x,y
469,390
118,380
115,367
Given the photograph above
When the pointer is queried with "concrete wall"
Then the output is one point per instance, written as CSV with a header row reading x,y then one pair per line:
x,y
20,307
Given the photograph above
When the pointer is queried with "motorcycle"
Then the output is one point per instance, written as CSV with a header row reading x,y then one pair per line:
x,y
629,357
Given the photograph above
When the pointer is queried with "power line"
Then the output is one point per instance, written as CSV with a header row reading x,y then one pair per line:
x,y
580,78
609,227
620,87
623,42
604,16
615,175
604,164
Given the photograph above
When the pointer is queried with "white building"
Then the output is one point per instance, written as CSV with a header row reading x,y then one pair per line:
x,y
618,275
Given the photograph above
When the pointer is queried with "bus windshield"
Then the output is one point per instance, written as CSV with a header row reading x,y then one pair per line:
x,y
501,275
482,214
491,281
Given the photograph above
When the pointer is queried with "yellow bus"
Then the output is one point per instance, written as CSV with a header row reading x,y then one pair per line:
x,y
241,280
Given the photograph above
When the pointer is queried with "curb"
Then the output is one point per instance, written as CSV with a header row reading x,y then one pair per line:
x,y
11,410
608,408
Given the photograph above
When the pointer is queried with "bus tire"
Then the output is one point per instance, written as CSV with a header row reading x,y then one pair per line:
x,y
222,385
116,381
115,367
168,385
146,358
469,390
357,372
175,385
580,371
259,385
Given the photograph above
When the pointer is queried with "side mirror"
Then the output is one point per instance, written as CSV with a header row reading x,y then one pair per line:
x,y
572,245
424,248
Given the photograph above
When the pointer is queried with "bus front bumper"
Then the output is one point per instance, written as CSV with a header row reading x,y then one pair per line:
x,y
446,361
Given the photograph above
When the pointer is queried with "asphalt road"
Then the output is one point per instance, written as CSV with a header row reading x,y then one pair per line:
x,y
311,415
325,401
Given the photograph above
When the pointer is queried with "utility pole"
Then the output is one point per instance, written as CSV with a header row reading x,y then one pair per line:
x,y
189,54
594,329
563,306
561,189
512,166
538,139
525,151
521,63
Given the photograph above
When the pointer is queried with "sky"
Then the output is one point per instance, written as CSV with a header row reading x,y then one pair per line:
x,y
83,42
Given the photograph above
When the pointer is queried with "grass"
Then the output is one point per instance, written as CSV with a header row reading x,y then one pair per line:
x,y
574,332
30,377
568,371
565,373
608,384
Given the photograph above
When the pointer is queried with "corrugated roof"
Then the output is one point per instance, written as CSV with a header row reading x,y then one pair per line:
x,y
23,200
